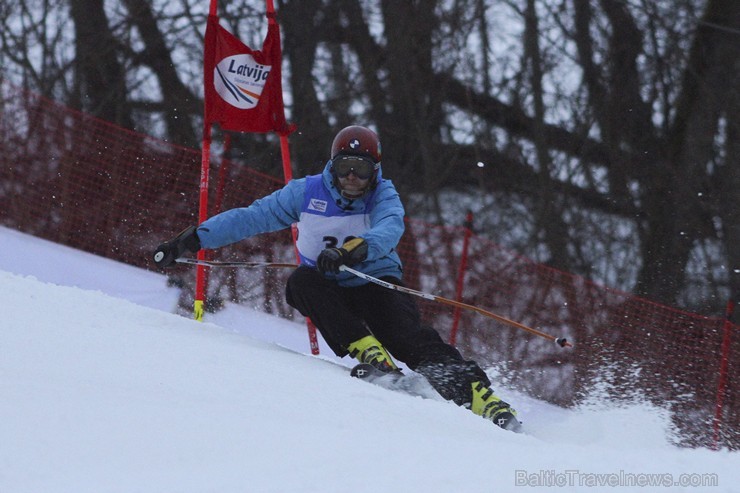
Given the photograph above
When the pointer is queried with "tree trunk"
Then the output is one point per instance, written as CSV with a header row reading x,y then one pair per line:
x,y
178,103
100,78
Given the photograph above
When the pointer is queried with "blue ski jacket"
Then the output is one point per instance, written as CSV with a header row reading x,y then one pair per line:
x,y
325,219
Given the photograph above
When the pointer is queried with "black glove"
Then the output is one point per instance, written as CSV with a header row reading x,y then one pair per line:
x,y
352,252
166,253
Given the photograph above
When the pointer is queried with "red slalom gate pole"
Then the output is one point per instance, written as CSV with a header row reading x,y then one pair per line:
x,y
724,363
201,272
313,339
288,175
461,275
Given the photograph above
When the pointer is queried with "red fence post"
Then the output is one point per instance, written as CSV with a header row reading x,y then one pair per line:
x,y
724,361
461,275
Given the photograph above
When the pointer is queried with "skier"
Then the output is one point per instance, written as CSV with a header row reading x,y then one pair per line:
x,y
350,215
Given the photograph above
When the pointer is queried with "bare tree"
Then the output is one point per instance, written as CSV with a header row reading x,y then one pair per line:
x,y
599,136
178,102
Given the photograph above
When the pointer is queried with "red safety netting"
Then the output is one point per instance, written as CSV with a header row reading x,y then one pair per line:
x,y
76,180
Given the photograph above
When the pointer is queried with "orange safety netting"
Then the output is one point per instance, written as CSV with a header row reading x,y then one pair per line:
x,y
76,180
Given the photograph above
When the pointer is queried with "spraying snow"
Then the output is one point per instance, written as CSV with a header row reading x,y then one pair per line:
x,y
104,390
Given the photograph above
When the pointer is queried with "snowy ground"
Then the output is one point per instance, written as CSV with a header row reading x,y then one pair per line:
x,y
102,389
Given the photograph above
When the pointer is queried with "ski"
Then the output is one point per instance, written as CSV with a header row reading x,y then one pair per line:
x,y
416,385
411,384
366,371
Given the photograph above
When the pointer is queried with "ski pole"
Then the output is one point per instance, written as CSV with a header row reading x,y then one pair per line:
x,y
560,341
220,263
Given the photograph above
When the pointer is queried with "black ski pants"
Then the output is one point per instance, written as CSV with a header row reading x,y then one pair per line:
x,y
345,314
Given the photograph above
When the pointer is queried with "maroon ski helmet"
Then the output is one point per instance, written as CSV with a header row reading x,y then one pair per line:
x,y
356,140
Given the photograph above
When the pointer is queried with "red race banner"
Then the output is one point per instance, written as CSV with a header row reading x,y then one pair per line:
x,y
243,87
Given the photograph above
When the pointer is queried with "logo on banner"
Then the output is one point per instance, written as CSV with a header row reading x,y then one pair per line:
x,y
239,80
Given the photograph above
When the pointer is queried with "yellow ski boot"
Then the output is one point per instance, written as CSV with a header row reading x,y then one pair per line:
x,y
488,405
370,351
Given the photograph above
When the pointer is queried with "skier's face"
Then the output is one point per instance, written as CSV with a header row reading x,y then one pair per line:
x,y
352,186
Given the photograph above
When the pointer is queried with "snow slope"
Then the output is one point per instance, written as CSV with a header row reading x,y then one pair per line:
x,y
103,390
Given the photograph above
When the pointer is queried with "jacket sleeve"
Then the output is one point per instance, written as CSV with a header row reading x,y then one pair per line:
x,y
271,213
386,222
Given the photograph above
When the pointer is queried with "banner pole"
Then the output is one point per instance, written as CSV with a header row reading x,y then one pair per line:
x,y
313,339
288,175
205,165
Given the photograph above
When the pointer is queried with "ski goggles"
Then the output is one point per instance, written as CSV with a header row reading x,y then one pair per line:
x,y
362,167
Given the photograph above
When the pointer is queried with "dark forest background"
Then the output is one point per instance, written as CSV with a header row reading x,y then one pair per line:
x,y
601,137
